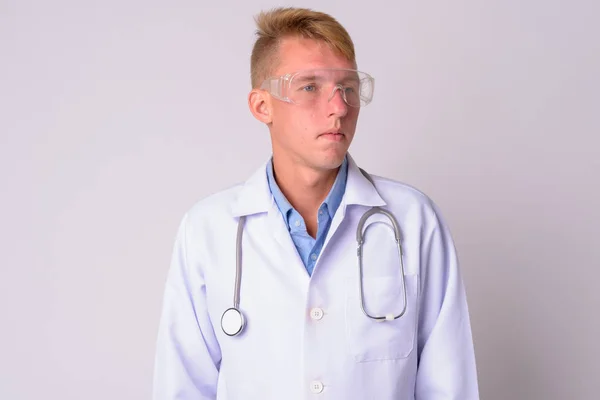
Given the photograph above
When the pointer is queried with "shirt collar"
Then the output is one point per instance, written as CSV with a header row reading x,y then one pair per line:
x,y
255,195
331,202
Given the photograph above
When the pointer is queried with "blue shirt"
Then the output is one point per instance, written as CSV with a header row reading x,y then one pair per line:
x,y
309,248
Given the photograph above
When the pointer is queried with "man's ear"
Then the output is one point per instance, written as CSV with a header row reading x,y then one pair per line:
x,y
260,106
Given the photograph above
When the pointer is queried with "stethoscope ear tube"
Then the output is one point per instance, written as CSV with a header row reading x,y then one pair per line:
x,y
359,253
238,262
232,320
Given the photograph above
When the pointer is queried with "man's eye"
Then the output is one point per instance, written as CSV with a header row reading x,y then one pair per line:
x,y
309,88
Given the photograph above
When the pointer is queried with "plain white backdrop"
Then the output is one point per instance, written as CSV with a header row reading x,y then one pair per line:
x,y
116,116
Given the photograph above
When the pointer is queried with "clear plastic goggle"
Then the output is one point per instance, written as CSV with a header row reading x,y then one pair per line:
x,y
312,87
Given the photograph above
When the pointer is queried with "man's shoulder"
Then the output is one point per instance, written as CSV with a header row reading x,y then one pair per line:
x,y
396,191
409,201
215,204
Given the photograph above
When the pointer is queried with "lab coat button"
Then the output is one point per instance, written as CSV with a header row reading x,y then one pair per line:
x,y
316,313
316,387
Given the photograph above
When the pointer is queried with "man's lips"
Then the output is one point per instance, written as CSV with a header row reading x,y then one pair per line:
x,y
335,136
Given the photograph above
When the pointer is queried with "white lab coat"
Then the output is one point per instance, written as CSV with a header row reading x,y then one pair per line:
x,y
288,352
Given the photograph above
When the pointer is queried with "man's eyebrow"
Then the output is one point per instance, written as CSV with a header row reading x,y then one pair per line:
x,y
317,78
352,78
308,78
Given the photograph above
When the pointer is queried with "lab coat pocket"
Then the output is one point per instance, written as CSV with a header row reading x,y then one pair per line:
x,y
372,340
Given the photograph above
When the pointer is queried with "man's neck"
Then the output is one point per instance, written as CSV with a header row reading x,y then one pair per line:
x,y
304,188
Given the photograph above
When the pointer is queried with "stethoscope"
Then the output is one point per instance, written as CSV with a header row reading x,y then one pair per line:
x,y
233,320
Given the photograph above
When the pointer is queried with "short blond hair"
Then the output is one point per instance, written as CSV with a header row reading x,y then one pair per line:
x,y
279,23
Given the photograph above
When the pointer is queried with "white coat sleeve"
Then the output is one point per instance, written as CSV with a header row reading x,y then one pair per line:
x,y
187,355
446,366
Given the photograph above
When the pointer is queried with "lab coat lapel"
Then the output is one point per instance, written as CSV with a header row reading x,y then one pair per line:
x,y
359,192
255,198
288,254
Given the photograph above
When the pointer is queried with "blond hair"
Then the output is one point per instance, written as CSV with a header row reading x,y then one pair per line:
x,y
279,23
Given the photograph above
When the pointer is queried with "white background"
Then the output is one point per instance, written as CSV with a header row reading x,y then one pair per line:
x,y
116,116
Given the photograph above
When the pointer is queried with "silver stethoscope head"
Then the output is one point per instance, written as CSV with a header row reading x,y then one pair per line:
x,y
233,321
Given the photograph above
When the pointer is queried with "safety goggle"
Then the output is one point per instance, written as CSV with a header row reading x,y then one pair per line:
x,y
312,87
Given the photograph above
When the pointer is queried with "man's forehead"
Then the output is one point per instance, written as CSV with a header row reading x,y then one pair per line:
x,y
297,53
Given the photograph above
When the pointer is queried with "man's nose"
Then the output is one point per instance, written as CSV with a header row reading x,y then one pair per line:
x,y
338,103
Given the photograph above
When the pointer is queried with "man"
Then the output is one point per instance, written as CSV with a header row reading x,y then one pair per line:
x,y
315,322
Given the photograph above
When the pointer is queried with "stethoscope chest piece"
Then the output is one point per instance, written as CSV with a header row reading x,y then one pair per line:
x,y
232,321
